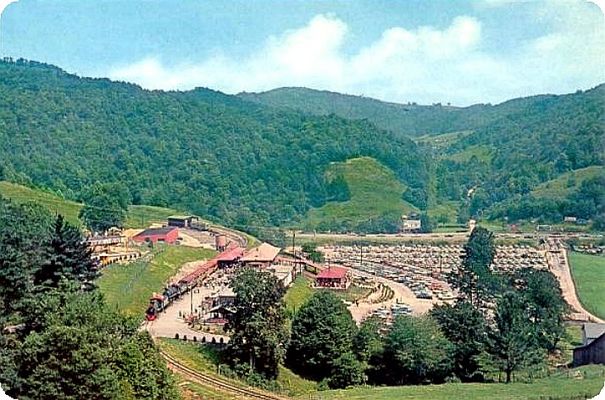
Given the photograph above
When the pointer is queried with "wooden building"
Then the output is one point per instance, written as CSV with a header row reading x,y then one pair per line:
x,y
333,278
260,257
592,350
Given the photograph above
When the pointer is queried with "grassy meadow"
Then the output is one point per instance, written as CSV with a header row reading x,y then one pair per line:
x,y
588,274
298,294
566,183
581,383
205,358
374,190
138,216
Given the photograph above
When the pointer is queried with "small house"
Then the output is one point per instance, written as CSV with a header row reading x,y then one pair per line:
x,y
333,278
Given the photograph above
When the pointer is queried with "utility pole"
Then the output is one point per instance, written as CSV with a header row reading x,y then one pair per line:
x,y
361,255
191,296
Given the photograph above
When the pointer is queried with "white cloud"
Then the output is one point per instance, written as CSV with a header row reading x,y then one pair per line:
x,y
425,64
4,4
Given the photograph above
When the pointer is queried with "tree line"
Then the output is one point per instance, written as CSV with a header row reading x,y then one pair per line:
x,y
212,154
58,337
499,323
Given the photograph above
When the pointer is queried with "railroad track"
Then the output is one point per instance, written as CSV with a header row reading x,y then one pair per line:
x,y
215,383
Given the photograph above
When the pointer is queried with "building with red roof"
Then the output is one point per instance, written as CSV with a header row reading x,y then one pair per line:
x,y
333,278
166,234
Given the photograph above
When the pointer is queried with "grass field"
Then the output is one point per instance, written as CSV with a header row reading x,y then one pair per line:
x,y
129,286
374,189
483,153
584,382
298,294
566,183
580,383
138,216
21,194
446,212
588,273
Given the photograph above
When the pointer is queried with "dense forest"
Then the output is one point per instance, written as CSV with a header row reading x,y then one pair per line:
x,y
202,151
261,159
488,158
58,337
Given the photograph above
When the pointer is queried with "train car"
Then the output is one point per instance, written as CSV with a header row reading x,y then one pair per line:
x,y
157,302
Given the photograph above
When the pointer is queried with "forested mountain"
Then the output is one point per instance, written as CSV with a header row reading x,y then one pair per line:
x,y
403,119
486,158
539,139
250,164
201,150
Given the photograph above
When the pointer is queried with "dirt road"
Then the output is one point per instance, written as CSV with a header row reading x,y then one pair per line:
x,y
556,255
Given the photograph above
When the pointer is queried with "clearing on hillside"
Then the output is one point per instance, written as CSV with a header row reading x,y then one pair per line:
x,y
138,215
374,191
567,183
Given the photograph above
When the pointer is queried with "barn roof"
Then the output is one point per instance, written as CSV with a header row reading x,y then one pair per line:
x,y
593,331
333,273
264,252
157,231
230,255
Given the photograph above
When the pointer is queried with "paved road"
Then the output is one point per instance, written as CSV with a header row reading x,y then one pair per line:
x,y
170,323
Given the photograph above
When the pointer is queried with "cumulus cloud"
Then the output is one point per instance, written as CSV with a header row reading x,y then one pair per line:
x,y
425,64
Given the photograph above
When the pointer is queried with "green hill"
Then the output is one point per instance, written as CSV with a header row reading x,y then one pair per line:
x,y
499,153
201,151
138,215
259,160
375,197
403,119
565,184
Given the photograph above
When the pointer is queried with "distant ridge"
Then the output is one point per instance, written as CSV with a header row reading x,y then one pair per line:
x,y
404,119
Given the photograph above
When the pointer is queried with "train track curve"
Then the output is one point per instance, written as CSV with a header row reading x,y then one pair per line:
x,y
214,382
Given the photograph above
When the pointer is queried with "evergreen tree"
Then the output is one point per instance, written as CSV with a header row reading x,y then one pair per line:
x,y
68,257
473,279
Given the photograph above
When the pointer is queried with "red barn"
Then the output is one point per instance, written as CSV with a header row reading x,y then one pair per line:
x,y
333,278
167,234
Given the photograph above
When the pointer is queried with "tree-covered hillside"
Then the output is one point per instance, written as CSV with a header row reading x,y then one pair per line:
x,y
487,158
201,150
251,164
540,139
403,119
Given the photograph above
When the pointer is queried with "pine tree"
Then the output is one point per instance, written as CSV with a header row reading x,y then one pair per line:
x,y
68,257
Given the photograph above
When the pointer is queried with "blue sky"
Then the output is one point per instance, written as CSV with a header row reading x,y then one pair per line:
x,y
426,51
